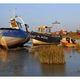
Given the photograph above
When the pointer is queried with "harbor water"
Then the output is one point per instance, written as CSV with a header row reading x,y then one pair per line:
x,y
20,62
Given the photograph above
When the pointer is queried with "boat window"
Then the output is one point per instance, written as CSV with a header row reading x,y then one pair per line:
x,y
19,24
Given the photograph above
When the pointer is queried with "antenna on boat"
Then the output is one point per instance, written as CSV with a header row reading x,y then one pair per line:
x,y
14,12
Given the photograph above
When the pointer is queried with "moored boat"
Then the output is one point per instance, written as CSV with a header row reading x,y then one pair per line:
x,y
43,36
14,36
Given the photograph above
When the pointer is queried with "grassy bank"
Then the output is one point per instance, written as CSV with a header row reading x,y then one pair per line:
x,y
73,35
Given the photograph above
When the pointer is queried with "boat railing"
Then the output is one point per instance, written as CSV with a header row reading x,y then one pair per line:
x,y
8,29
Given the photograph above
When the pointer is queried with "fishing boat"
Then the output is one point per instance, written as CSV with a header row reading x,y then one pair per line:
x,y
15,35
44,36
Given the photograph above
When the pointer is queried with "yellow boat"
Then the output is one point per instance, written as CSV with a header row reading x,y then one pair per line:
x,y
69,45
68,42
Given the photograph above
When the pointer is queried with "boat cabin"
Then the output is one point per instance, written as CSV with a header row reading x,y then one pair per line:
x,y
44,29
15,24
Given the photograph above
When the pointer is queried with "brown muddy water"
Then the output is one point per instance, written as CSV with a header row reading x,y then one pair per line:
x,y
20,62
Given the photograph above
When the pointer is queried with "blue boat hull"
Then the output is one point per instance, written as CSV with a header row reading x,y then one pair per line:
x,y
13,37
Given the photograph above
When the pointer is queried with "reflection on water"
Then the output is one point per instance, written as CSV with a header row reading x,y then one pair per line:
x,y
12,61
19,62
72,62
3,55
53,70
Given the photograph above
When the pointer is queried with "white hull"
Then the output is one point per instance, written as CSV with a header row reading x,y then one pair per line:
x,y
36,42
10,41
